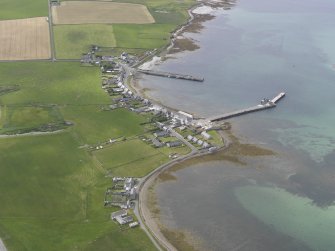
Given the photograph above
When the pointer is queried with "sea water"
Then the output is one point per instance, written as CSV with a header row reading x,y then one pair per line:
x,y
255,50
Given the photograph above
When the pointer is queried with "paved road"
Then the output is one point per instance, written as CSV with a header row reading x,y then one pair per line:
x,y
143,213
51,32
2,246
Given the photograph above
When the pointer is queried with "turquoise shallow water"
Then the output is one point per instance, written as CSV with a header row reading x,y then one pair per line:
x,y
255,50
292,215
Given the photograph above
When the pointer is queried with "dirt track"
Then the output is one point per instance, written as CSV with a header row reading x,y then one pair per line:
x,y
24,39
91,12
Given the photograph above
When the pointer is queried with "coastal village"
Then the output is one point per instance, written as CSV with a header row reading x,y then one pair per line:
x,y
168,128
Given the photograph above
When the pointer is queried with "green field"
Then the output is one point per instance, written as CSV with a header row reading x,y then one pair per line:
x,y
166,11
52,83
94,125
145,36
27,118
73,40
130,158
52,188
14,9
52,198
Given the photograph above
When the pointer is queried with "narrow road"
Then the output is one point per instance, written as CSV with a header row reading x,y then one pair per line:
x,y
2,246
142,211
51,32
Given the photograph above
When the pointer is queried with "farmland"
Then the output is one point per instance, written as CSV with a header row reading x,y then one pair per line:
x,y
20,119
59,194
57,184
52,186
134,158
17,9
59,83
73,40
24,39
91,12
142,36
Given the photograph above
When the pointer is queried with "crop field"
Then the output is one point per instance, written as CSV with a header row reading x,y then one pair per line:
x,y
73,40
166,11
24,39
130,158
95,12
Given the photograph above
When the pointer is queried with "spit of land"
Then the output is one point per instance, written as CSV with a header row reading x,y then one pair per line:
x,y
24,39
92,12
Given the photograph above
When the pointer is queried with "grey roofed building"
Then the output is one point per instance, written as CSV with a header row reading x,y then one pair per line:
x,y
206,135
121,213
161,134
189,137
124,220
206,145
174,143
117,89
200,142
157,143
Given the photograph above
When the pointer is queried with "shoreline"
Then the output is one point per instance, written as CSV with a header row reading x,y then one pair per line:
x,y
142,211
143,206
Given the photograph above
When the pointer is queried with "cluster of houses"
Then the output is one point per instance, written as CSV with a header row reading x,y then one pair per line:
x,y
197,141
161,134
123,218
122,193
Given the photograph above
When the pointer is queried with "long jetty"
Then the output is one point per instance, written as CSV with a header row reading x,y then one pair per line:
x,y
171,75
267,105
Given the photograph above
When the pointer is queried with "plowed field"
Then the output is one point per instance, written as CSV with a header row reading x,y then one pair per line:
x,y
24,39
93,12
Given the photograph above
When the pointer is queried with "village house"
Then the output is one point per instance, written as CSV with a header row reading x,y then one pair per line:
x,y
173,143
206,135
161,134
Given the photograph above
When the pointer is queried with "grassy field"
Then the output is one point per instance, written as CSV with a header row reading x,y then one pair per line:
x,y
52,83
130,158
52,188
73,40
147,36
166,11
14,9
94,125
19,118
58,201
